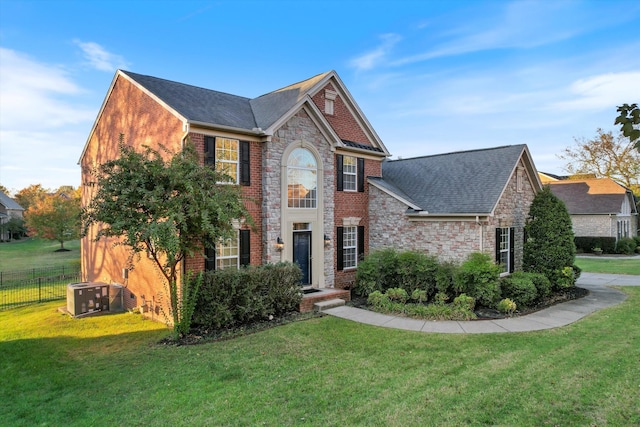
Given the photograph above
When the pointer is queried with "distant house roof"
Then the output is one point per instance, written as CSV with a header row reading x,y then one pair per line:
x,y
591,196
9,203
465,183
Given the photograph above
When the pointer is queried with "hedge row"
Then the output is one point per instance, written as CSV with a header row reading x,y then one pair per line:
x,y
230,298
427,281
587,243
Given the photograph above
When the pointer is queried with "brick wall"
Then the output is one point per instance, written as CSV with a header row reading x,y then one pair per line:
x,y
342,121
448,240
142,121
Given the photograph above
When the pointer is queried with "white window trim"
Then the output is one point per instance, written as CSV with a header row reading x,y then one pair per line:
x,y
507,250
354,247
236,162
354,174
219,257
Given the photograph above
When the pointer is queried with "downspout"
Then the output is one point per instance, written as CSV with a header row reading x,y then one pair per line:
x,y
186,129
481,232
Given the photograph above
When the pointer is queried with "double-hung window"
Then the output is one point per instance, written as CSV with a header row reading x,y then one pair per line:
x,y
230,253
350,173
230,157
505,248
350,245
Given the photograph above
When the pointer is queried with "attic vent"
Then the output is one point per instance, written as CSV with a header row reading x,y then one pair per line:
x,y
329,98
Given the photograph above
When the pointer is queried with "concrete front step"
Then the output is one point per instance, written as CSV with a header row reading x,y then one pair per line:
x,y
324,305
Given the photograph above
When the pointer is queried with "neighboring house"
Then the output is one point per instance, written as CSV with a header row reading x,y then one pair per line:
x,y
310,165
451,205
9,208
599,207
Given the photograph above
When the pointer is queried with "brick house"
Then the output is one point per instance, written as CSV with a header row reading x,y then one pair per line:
x,y
310,165
451,205
599,207
300,153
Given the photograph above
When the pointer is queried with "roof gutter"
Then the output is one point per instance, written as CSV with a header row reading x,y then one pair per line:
x,y
232,129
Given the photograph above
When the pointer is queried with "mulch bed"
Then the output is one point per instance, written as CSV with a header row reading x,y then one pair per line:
x,y
484,313
205,335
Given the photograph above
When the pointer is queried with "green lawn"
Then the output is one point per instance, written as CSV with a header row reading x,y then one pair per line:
x,y
37,253
615,265
109,370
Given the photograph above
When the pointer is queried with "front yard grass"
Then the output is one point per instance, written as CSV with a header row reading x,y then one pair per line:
x,y
613,265
110,370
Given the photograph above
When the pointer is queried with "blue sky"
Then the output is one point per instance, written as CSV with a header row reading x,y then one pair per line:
x,y
431,76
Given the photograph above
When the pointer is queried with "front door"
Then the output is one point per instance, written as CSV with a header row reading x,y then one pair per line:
x,y
302,254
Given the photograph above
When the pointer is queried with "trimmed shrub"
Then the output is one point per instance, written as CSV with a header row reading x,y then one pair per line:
x,y
507,306
465,302
378,300
441,298
445,276
416,270
238,297
419,295
397,294
549,246
519,288
478,277
377,272
565,278
542,284
585,244
626,246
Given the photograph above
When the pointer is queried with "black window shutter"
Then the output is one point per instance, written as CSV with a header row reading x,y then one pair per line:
x,y
245,247
210,259
360,242
245,163
512,247
498,245
339,176
360,175
209,150
340,246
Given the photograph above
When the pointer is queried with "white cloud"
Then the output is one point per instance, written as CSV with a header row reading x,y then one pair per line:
x,y
32,94
602,91
371,59
41,120
99,58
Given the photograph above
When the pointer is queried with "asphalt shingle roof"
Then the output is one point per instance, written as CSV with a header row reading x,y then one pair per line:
x,y
219,108
590,196
9,203
467,182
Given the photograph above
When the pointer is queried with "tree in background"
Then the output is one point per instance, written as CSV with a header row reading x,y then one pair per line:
x,y
31,196
549,247
605,156
629,121
168,209
55,217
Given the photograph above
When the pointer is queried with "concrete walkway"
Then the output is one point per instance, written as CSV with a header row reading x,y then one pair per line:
x,y
600,296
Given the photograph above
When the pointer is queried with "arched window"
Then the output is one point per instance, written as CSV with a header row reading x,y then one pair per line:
x,y
302,179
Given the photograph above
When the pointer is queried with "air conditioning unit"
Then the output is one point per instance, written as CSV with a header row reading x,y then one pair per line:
x,y
116,297
87,298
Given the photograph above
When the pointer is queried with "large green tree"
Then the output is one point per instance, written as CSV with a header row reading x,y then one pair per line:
x,y
549,247
169,209
55,217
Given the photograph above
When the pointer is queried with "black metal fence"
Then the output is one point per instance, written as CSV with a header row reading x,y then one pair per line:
x,y
24,287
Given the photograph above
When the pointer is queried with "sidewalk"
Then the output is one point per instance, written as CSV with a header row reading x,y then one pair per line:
x,y
600,296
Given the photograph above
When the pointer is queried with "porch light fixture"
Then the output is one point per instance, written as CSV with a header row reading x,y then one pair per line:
x,y
327,241
279,244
